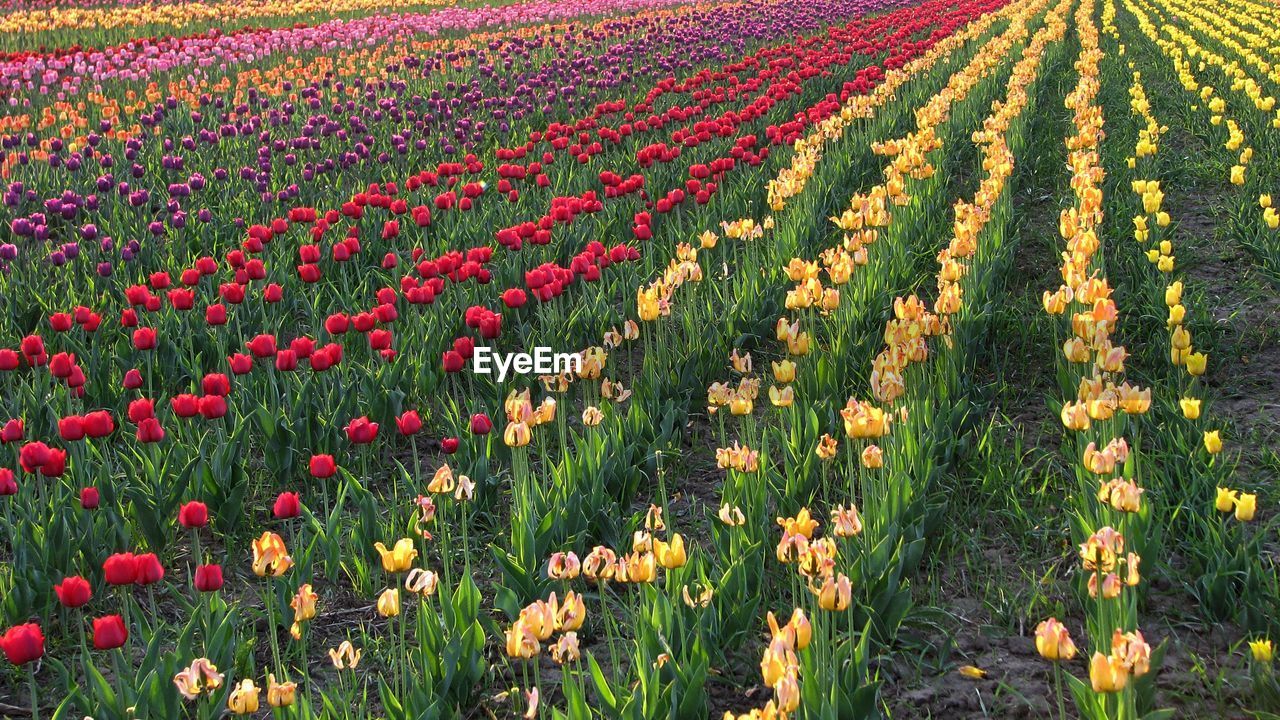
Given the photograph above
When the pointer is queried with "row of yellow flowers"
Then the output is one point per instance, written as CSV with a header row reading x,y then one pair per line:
x,y
1183,48
1150,227
1110,514
816,559
187,14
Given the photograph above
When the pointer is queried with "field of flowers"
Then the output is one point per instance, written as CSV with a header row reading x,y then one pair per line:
x,y
632,359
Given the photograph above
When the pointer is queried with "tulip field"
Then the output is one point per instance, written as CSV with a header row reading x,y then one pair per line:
x,y
630,359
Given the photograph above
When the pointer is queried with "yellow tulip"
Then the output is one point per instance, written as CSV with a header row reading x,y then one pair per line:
x,y
442,482
389,602
202,676
801,524
1190,408
827,447
270,556
1197,363
1213,441
563,566
400,558
1107,674
1246,506
872,457
836,593
671,555
517,435
521,642
1053,642
244,699
1262,650
803,630
1225,500
280,694
641,567
731,516
780,397
571,613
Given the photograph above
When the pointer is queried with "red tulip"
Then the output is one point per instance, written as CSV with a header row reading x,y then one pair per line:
x,y
33,456
8,483
89,498
323,466
288,505
465,347
263,346
321,359
120,569
362,431
337,324
409,422
452,361
71,428
449,445
194,514
9,360
60,322
56,464
240,363
380,339
515,297
364,322
132,379
215,314
216,384
273,293
286,361
109,632
149,569
185,405
481,424
208,578
144,338
13,431
141,409
23,643
61,364
73,591
150,431
303,347
99,424
309,273
212,407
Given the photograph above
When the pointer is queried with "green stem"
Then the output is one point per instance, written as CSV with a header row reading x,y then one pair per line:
x,y
35,697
